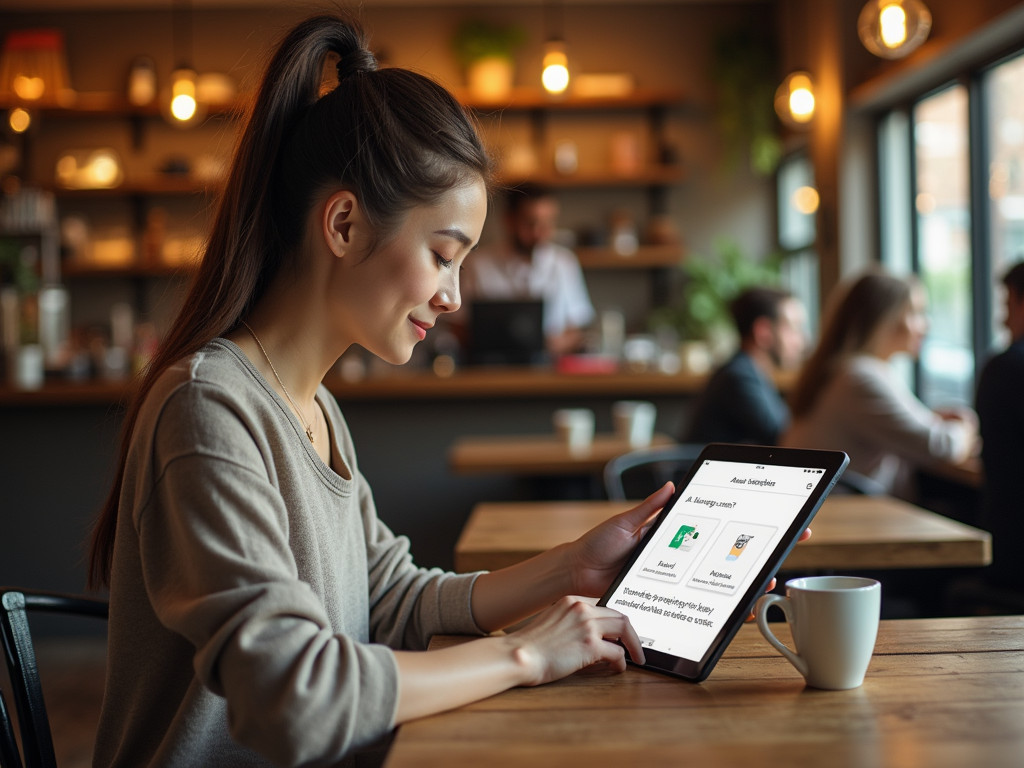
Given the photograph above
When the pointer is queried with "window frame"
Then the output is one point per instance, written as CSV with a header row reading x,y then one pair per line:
x,y
983,298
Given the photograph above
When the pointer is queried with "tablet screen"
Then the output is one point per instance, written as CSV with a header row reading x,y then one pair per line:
x,y
713,543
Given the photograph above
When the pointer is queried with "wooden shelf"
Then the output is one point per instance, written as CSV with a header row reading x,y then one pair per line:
x,y
649,177
647,257
71,271
529,99
107,104
155,186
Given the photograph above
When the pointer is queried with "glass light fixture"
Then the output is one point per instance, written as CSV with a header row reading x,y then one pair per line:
x,y
794,100
805,199
19,119
555,76
183,94
891,29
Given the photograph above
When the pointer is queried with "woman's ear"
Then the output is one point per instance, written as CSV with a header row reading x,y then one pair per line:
x,y
342,222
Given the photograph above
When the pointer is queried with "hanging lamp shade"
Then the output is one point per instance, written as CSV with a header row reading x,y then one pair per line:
x,y
555,74
34,69
794,100
892,29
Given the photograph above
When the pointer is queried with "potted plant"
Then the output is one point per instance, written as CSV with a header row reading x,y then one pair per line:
x,y
487,52
701,315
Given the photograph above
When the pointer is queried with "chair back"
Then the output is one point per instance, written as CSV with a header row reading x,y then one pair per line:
x,y
664,464
33,723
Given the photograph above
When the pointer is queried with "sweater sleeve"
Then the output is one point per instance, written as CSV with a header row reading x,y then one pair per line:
x,y
408,605
218,570
887,413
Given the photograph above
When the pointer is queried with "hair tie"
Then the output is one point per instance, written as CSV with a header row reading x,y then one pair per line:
x,y
358,62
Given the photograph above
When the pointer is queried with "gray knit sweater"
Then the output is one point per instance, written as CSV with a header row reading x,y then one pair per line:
x,y
255,596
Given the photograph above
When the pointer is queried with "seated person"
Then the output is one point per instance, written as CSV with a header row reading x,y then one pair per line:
x,y
1001,411
849,398
532,266
741,403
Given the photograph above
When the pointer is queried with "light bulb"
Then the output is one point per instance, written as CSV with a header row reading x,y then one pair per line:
x,y
183,94
805,200
555,77
891,29
19,120
794,100
892,23
29,88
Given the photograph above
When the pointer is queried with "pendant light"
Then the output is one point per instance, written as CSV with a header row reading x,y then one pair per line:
x,y
180,105
794,100
892,29
555,68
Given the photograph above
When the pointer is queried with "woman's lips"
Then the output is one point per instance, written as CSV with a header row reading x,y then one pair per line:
x,y
421,327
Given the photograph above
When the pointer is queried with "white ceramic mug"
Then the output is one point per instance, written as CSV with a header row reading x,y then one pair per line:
x,y
576,427
834,620
634,422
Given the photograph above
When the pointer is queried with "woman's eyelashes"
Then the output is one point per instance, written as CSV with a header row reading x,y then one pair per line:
x,y
441,260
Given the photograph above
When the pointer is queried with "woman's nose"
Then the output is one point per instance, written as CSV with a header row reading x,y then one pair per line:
x,y
447,298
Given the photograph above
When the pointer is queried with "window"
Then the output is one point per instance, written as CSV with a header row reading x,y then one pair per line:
x,y
797,204
943,205
1004,96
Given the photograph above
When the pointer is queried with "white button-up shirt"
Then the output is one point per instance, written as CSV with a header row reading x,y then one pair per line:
x,y
552,274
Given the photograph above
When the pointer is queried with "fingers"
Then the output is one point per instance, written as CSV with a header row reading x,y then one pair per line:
x,y
642,513
805,535
616,626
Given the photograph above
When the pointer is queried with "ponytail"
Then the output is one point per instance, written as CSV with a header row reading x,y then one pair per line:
x,y
393,137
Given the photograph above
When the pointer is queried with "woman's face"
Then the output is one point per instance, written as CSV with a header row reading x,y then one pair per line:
x,y
386,302
912,324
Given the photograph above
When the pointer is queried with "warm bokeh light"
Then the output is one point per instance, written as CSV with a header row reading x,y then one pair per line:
x,y
794,100
891,29
555,77
892,22
19,120
801,104
805,200
29,88
183,94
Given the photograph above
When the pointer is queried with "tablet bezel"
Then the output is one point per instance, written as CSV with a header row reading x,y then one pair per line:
x,y
832,462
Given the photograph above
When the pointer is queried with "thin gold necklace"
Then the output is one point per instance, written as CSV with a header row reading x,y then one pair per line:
x,y
298,411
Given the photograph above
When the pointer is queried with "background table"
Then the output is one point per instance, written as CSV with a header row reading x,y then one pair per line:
x,y
939,692
536,454
853,532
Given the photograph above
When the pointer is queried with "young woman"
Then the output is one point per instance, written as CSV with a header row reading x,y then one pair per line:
x,y
255,598
849,398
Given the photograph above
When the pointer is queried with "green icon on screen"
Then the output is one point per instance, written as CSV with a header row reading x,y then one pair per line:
x,y
684,537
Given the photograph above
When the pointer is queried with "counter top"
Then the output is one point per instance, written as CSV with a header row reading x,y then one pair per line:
x,y
471,383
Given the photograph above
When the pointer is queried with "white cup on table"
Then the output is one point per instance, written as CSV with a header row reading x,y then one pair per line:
x,y
834,620
634,422
576,427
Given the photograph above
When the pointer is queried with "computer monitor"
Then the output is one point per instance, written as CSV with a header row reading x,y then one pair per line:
x,y
506,333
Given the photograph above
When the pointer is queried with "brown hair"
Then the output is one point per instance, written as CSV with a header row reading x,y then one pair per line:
x,y
393,137
866,305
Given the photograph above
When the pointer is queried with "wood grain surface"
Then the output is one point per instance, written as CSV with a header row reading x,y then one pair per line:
x,y
536,454
848,532
939,692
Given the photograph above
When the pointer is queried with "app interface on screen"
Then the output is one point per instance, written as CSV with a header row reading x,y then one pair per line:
x,y
713,543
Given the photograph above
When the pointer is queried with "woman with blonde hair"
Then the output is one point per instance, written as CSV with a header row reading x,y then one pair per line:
x,y
848,396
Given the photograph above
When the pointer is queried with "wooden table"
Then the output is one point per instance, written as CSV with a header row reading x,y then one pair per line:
x,y
939,692
854,532
536,454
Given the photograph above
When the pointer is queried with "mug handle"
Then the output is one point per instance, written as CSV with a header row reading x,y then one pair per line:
x,y
761,611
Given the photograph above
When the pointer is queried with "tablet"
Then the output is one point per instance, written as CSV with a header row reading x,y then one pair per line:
x,y
693,580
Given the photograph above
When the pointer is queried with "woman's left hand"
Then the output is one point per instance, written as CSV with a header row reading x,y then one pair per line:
x,y
596,558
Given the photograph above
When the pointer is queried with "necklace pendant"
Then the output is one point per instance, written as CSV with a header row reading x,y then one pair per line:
x,y
309,433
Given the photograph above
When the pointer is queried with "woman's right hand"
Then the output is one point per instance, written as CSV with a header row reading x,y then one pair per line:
x,y
572,635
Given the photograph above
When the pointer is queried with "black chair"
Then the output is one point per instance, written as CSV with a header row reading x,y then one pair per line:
x,y
674,462
664,464
34,725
